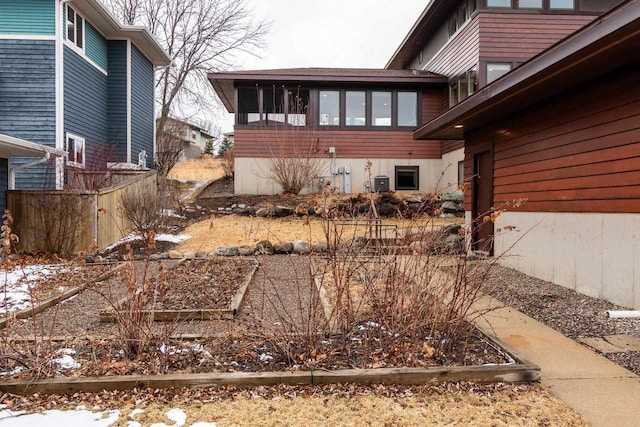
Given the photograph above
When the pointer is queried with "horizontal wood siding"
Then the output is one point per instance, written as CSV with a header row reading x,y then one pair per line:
x,y
142,105
519,36
459,54
253,142
432,103
449,146
95,46
85,103
28,101
28,17
117,96
579,152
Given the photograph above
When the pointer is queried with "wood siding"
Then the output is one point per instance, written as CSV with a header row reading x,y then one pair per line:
x,y
142,105
32,17
460,53
520,36
449,146
432,105
578,152
85,102
256,142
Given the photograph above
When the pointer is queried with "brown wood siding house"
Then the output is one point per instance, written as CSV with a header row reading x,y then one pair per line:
x,y
563,132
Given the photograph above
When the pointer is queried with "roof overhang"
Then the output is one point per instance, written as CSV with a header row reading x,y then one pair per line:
x,y
608,43
436,12
107,24
225,82
15,147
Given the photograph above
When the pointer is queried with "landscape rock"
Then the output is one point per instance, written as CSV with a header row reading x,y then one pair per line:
x,y
450,206
386,209
320,247
283,211
301,247
158,257
225,251
201,254
245,250
175,254
189,255
302,209
450,229
263,212
283,248
265,247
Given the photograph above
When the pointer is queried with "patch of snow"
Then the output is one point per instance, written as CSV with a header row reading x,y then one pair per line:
x,y
172,238
203,424
66,362
131,237
178,416
16,285
265,357
172,214
14,371
79,417
135,412
198,185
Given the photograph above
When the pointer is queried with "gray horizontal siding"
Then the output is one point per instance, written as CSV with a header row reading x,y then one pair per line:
x,y
142,99
117,96
95,46
85,105
28,101
32,17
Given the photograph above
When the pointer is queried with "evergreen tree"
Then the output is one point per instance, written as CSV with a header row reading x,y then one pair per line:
x,y
208,147
225,145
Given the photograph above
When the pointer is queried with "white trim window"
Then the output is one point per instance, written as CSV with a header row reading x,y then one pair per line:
x,y
75,151
75,28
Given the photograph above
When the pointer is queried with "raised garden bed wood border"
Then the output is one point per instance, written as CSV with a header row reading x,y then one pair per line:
x,y
32,311
406,376
107,316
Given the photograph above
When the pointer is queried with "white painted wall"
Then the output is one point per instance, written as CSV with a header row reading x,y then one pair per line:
x,y
596,254
251,174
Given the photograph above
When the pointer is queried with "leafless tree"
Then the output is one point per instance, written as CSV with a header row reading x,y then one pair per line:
x,y
199,36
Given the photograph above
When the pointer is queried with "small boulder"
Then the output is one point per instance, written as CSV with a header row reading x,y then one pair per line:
x,y
283,248
282,211
225,251
246,250
263,212
301,247
320,247
189,255
175,254
201,254
450,206
264,247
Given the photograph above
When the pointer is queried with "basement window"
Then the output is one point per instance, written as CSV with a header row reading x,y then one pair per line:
x,y
407,178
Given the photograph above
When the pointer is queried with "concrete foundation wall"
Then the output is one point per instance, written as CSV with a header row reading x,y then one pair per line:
x,y
251,174
595,254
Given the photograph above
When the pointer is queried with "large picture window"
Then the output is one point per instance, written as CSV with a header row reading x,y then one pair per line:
x,y
329,108
355,108
381,108
75,28
75,150
495,70
407,109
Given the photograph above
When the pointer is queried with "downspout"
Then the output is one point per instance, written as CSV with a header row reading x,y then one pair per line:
x,y
623,314
13,170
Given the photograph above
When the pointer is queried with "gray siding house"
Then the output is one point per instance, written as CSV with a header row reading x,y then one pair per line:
x,y
76,81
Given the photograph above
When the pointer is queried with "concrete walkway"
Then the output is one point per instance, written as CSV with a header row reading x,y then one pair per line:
x,y
604,393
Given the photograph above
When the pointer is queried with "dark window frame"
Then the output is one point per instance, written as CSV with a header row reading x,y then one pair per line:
x,y
546,6
415,177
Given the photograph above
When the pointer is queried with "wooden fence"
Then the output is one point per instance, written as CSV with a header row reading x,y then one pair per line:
x,y
72,221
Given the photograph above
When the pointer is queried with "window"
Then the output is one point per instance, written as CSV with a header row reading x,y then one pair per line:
x,y
194,134
356,108
461,15
498,3
464,86
298,100
75,28
381,108
248,108
273,104
407,178
561,4
495,70
329,108
461,174
530,4
75,150
407,109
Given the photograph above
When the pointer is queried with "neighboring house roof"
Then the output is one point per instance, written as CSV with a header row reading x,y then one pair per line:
x,y
107,24
15,147
436,12
224,82
187,124
608,43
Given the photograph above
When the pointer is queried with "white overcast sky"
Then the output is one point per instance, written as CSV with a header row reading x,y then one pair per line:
x,y
330,33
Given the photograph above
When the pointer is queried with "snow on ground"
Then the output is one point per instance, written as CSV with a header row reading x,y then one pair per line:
x,y
162,237
16,284
82,417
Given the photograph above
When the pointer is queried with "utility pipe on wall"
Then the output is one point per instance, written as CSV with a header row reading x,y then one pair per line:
x,y
623,314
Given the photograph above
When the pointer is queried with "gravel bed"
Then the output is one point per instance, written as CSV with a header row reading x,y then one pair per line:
x,y
572,314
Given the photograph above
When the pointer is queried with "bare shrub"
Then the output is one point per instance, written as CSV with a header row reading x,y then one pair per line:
x,y
96,173
143,209
169,146
293,160
228,159
58,215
